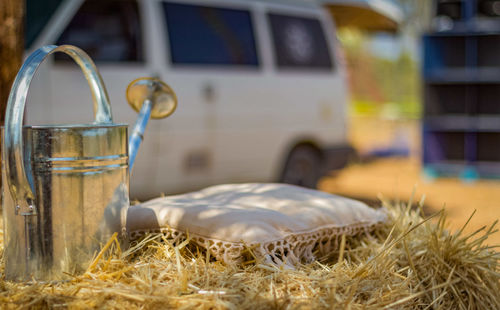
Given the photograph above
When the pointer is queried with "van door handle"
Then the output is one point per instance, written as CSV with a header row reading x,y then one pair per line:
x,y
208,93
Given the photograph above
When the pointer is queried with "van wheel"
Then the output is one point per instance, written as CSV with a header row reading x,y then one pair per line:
x,y
303,167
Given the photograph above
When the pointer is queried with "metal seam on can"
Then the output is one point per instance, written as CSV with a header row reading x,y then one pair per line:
x,y
81,169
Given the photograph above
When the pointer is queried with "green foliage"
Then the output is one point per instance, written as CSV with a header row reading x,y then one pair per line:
x,y
379,85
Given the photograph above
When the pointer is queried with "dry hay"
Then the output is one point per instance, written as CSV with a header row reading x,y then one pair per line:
x,y
410,263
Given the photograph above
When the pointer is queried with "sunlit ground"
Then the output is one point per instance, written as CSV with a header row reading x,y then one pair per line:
x,y
396,178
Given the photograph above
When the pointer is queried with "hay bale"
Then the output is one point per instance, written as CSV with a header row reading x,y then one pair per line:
x,y
408,263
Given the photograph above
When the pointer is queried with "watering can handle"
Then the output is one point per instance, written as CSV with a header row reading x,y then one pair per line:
x,y
13,149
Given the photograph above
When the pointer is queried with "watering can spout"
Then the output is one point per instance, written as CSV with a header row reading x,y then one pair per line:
x,y
151,98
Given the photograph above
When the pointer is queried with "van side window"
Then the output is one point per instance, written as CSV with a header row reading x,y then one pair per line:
x,y
299,43
109,31
38,14
203,35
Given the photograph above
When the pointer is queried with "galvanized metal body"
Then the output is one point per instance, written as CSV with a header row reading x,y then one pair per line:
x,y
80,180
65,187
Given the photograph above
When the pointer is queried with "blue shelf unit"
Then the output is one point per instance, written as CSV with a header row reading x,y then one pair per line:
x,y
461,91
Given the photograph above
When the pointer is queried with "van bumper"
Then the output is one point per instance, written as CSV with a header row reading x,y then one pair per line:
x,y
338,156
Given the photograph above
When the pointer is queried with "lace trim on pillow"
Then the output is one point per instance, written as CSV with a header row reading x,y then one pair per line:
x,y
295,248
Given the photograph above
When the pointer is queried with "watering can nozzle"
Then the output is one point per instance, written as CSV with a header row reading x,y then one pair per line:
x,y
151,97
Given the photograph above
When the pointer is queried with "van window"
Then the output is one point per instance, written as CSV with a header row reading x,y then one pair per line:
x,y
38,14
299,43
203,35
109,31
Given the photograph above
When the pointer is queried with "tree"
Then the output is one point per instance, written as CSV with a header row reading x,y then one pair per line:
x,y
417,15
11,47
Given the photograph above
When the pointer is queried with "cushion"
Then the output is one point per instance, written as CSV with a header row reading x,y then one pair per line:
x,y
282,224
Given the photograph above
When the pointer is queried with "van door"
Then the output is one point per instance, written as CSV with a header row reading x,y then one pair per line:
x,y
214,66
312,91
112,33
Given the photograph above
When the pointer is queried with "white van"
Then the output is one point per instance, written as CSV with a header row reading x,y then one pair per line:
x,y
262,93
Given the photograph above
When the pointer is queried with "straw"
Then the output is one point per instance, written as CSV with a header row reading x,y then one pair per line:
x,y
411,262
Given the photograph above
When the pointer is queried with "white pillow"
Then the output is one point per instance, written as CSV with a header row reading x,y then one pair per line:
x,y
282,224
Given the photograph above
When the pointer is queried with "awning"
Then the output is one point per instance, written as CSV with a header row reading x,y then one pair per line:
x,y
369,15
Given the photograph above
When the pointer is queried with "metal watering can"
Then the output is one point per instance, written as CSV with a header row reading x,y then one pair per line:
x,y
66,187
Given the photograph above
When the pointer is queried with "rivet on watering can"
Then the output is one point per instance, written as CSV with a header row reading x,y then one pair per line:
x,y
31,211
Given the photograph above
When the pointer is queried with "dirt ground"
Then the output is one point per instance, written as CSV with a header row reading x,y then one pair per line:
x,y
397,178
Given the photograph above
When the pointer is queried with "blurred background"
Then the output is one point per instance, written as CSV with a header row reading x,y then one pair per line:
x,y
368,99
425,105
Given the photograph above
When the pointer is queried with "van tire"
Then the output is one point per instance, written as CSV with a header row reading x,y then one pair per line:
x,y
303,167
